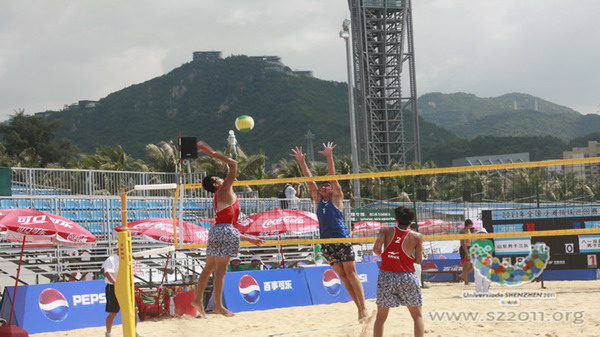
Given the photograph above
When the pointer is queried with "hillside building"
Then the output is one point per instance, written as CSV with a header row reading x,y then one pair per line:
x,y
491,160
273,61
303,73
581,171
87,104
207,55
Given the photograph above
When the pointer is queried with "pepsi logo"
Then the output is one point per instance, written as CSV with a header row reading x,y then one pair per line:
x,y
331,282
429,266
53,305
249,289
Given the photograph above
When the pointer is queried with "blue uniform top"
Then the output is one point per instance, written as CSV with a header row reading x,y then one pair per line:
x,y
331,221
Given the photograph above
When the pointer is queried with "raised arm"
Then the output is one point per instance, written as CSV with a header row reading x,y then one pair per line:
x,y
225,194
252,239
231,163
338,194
301,159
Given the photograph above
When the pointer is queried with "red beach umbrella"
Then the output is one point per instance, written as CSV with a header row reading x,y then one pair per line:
x,y
366,228
30,225
40,227
161,231
279,221
434,226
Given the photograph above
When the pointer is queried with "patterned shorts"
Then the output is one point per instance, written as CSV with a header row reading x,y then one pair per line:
x,y
338,252
223,240
396,289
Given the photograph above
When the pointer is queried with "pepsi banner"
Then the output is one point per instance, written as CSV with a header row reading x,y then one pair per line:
x,y
368,273
57,306
441,265
326,286
265,289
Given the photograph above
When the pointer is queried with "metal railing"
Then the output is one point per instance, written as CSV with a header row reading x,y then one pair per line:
x,y
101,214
44,181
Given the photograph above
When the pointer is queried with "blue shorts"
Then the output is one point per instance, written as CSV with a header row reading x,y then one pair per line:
x,y
396,289
223,240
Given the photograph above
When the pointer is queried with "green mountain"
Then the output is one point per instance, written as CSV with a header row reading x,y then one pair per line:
x,y
514,114
203,98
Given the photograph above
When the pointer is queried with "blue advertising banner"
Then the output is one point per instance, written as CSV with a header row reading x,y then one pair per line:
x,y
57,306
368,273
432,267
265,289
546,213
326,286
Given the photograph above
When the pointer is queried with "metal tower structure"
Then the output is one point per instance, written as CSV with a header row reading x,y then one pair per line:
x,y
382,45
310,151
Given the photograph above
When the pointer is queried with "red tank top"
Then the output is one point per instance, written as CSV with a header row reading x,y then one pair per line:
x,y
229,214
394,259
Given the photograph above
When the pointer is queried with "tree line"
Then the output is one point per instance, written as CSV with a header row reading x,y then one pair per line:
x,y
30,141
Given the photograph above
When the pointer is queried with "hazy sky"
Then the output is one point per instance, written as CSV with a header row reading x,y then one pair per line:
x,y
56,52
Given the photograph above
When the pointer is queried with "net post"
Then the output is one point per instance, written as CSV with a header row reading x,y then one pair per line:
x,y
124,288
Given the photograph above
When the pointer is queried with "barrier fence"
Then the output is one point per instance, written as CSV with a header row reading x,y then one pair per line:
x,y
100,214
89,198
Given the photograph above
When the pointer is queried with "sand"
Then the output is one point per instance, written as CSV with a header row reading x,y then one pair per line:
x,y
575,311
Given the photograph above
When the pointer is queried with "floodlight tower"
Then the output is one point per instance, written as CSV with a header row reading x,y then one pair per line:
x,y
310,151
382,44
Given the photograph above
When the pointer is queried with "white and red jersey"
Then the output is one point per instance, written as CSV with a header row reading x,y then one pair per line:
x,y
394,259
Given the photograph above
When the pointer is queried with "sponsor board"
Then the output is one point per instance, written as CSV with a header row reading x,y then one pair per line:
x,y
57,306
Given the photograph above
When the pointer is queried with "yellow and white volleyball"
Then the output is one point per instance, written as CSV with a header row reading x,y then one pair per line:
x,y
244,123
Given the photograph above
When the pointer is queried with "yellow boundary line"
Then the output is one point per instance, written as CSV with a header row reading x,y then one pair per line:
x,y
558,232
440,170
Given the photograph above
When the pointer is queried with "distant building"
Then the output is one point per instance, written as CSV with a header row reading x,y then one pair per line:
x,y
268,59
491,160
206,55
592,150
43,113
303,73
87,104
273,61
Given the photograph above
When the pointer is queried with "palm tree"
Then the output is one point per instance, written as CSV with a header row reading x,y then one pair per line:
x,y
371,188
287,168
343,165
424,182
164,157
9,160
112,159
30,158
254,168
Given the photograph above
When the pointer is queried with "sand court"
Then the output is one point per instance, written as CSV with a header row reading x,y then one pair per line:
x,y
564,308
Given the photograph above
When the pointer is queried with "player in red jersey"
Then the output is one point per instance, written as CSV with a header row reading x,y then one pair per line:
x,y
397,284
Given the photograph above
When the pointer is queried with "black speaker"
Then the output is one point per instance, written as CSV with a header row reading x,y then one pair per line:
x,y
466,196
188,148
